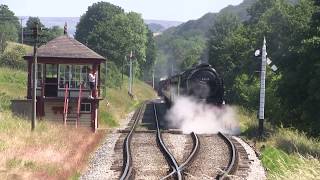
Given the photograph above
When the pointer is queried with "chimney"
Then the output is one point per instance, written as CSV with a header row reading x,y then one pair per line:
x,y
65,30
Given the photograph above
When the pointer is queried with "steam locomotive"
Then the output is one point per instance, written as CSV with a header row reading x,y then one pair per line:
x,y
201,82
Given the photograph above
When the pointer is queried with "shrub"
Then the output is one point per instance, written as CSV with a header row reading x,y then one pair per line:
x,y
13,58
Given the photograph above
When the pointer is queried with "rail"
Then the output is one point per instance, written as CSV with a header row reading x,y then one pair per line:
x,y
79,105
232,165
191,157
194,152
172,161
127,159
65,105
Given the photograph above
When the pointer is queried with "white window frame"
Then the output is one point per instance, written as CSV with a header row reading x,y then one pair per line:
x,y
85,104
69,80
42,75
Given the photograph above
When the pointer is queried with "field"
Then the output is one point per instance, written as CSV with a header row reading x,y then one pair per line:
x,y
53,151
285,152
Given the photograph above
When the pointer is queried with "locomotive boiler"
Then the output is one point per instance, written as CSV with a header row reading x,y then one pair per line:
x,y
201,82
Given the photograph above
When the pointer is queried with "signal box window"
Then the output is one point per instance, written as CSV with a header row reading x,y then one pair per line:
x,y
85,107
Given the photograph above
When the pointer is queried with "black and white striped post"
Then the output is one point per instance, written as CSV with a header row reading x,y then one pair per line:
x,y
262,86
264,62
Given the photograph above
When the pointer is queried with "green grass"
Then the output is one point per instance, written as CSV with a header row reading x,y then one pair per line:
x,y
281,165
108,119
286,152
13,44
16,163
273,158
75,176
3,145
118,103
12,86
13,163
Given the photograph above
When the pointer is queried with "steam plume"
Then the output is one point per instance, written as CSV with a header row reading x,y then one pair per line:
x,y
190,115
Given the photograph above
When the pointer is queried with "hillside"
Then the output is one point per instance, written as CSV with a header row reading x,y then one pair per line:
x,y
175,43
53,151
56,156
73,21
202,25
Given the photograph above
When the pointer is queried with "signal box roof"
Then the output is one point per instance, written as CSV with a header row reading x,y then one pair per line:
x,y
65,47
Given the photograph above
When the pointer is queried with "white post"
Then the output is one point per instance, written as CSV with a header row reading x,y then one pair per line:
x,y
130,74
21,31
262,86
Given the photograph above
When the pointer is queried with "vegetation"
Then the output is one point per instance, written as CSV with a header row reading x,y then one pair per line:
x,y
45,153
114,34
185,45
285,152
9,25
48,152
291,97
227,41
118,103
46,34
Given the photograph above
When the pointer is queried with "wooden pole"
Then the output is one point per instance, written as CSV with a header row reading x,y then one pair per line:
x,y
35,66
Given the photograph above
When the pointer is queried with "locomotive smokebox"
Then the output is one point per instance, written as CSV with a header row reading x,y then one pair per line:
x,y
201,82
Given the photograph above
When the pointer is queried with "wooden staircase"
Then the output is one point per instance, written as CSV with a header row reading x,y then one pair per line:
x,y
71,117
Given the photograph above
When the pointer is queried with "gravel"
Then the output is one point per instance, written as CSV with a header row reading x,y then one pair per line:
x,y
148,161
100,165
179,145
213,155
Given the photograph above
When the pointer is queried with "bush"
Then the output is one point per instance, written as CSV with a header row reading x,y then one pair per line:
x,y
293,141
114,76
13,58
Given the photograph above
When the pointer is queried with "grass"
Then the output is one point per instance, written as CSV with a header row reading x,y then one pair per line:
x,y
12,86
118,103
75,176
53,151
46,151
13,44
285,152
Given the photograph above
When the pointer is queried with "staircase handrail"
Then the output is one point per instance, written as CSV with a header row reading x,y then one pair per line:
x,y
79,105
65,105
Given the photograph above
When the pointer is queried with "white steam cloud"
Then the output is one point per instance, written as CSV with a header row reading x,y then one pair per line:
x,y
190,115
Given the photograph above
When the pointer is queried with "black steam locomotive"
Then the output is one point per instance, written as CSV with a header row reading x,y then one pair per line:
x,y
201,82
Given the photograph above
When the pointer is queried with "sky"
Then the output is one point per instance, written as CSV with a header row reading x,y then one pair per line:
x,y
174,10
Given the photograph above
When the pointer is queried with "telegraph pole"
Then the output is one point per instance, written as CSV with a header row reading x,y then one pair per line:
x,y
153,78
105,79
262,86
122,66
35,66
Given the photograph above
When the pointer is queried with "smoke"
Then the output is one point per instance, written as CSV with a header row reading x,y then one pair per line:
x,y
190,115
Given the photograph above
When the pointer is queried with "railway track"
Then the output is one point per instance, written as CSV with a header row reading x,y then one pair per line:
x,y
127,159
196,159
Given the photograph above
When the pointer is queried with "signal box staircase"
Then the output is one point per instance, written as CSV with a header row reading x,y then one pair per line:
x,y
72,116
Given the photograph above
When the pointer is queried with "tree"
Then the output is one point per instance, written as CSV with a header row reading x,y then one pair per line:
x,y
299,88
151,53
45,35
117,37
13,58
9,25
29,39
224,25
97,13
